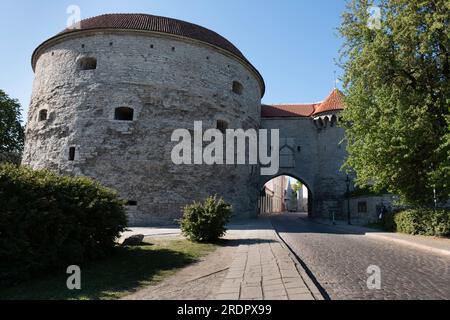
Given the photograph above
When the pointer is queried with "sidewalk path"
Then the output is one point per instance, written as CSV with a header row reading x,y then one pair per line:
x,y
431,244
254,265
264,269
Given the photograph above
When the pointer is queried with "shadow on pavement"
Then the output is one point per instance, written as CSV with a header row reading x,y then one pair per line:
x,y
300,223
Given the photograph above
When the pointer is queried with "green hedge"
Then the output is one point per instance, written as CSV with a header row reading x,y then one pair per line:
x,y
49,221
425,221
206,222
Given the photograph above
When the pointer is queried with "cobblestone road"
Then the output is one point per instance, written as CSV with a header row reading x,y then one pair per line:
x,y
339,261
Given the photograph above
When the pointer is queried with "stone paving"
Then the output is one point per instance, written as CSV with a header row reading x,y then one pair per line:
x,y
263,269
254,265
339,261
431,244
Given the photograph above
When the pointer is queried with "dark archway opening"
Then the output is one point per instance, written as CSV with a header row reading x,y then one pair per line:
x,y
284,194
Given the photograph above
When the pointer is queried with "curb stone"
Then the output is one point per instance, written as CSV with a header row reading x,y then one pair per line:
x,y
310,283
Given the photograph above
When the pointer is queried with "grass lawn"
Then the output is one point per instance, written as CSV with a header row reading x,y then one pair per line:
x,y
127,270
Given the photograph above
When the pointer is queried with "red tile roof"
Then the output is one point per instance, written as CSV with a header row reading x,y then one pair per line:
x,y
147,22
332,103
287,110
335,101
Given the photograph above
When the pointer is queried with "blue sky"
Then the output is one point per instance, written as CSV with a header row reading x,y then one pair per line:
x,y
293,43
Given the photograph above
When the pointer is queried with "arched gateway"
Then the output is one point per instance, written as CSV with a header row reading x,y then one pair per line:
x,y
311,149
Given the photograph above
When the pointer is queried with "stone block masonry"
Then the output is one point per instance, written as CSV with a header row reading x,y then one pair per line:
x,y
263,269
168,82
108,96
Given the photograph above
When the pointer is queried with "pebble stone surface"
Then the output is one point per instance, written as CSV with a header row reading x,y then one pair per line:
x,y
339,261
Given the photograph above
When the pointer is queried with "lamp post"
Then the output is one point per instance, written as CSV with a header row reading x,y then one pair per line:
x,y
434,198
347,181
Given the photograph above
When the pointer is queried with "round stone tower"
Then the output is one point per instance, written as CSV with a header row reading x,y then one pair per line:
x,y
108,95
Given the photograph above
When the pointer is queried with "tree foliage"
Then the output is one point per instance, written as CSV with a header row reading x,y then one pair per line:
x,y
397,89
297,187
11,130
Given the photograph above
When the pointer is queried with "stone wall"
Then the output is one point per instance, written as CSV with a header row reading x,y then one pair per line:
x,y
170,83
317,155
366,209
330,181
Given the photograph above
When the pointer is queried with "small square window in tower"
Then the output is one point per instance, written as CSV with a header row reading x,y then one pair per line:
x,y
222,126
132,203
87,64
72,154
43,115
238,88
124,114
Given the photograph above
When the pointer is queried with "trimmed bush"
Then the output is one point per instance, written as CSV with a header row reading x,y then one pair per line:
x,y
49,221
205,222
424,221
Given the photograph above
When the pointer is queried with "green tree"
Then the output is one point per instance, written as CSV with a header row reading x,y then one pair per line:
x,y
11,129
297,187
397,87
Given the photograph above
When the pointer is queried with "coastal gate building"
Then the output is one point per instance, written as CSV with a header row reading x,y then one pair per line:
x,y
108,95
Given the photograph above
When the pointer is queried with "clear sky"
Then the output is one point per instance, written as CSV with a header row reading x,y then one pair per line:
x,y
293,43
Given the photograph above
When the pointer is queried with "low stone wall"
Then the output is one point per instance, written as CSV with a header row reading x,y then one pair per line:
x,y
366,209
